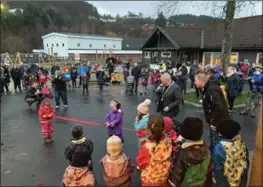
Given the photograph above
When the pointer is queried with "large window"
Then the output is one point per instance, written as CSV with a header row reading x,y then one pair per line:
x,y
166,54
214,58
147,55
259,58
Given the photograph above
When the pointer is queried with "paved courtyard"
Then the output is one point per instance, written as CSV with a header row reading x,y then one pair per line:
x,y
25,160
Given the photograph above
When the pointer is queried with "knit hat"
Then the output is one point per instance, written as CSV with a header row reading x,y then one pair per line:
x,y
228,128
258,66
191,128
77,132
46,101
246,61
144,106
114,146
80,157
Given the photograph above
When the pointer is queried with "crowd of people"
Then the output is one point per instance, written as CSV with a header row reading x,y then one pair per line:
x,y
170,153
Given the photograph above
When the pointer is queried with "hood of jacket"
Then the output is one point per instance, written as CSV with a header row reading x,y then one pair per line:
x,y
212,83
78,176
196,151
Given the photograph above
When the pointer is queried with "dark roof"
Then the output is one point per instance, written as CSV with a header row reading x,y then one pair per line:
x,y
247,33
129,43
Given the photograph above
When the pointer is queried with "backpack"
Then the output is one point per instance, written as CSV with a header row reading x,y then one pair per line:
x,y
196,175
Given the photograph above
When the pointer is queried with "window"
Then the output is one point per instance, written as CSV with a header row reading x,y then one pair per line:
x,y
154,54
57,45
147,55
214,58
63,45
113,46
259,58
166,54
47,45
90,45
52,45
104,45
78,44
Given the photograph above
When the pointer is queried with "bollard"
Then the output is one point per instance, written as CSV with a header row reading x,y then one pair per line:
x,y
256,170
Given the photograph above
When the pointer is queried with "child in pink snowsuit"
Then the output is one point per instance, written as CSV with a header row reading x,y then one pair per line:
x,y
46,114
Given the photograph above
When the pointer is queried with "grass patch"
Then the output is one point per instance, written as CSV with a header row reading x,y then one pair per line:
x,y
191,97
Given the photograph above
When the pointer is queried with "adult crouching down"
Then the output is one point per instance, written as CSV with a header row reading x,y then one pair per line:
x,y
171,97
60,90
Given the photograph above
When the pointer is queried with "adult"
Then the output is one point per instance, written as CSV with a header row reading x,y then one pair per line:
x,y
22,71
171,97
16,76
81,71
192,73
233,82
6,77
251,70
214,104
60,90
136,74
100,75
242,70
54,68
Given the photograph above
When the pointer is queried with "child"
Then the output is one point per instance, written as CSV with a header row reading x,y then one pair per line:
x,y
143,80
154,157
141,121
43,78
67,76
169,130
74,75
46,114
192,160
117,167
85,81
78,173
230,157
114,120
46,92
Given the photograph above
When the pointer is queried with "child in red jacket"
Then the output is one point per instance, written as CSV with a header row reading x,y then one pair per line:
x,y
43,78
46,114
169,130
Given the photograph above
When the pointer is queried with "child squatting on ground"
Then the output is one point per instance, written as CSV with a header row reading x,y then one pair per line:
x,y
79,141
154,157
78,173
191,163
117,167
46,114
230,157
141,121
114,120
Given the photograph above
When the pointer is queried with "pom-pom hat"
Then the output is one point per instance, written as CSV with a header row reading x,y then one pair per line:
x,y
144,106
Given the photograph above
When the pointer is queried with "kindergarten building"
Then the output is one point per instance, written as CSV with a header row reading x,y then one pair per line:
x,y
91,47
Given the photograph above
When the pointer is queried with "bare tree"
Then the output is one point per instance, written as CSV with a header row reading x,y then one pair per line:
x,y
225,9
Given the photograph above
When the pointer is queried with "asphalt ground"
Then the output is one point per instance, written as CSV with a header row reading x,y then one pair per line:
x,y
26,160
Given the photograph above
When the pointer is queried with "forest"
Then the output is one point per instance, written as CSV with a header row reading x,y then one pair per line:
x,y
22,29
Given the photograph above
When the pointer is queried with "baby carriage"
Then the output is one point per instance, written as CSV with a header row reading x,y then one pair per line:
x,y
130,85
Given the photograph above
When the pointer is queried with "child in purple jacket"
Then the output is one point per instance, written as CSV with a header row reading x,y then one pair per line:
x,y
114,119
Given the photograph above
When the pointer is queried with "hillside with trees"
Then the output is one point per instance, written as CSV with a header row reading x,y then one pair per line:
x,y
24,23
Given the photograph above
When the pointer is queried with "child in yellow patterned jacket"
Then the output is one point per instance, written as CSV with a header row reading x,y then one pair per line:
x,y
154,157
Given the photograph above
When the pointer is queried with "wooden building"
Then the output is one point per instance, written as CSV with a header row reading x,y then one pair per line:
x,y
203,43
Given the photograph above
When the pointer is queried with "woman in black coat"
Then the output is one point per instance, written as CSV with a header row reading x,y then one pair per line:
x,y
233,82
100,75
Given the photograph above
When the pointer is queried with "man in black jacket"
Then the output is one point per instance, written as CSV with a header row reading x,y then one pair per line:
x,y
60,90
171,98
16,76
214,104
136,73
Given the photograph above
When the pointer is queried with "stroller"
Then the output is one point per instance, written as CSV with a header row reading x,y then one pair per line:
x,y
130,85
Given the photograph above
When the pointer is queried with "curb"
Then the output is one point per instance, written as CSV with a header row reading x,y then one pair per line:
x,y
200,106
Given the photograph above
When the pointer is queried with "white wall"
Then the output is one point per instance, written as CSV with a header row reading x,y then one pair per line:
x,y
96,43
56,42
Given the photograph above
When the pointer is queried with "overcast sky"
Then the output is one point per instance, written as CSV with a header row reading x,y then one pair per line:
x,y
150,8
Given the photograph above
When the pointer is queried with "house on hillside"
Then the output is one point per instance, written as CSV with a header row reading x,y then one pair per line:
x,y
204,43
89,47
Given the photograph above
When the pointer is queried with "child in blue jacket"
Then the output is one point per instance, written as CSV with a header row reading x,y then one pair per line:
x,y
257,79
230,156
